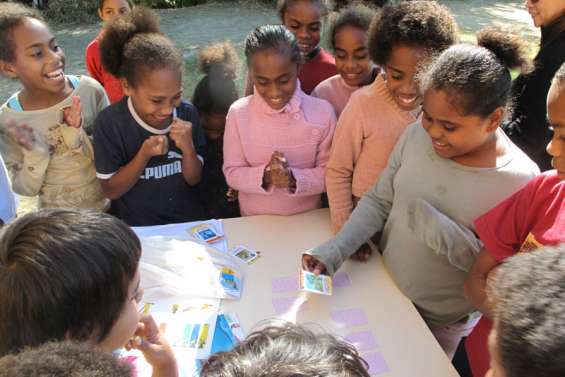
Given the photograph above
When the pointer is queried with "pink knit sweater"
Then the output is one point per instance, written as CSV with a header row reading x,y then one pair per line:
x,y
302,130
335,91
366,133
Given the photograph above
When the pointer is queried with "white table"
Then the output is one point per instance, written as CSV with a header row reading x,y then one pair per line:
x,y
403,338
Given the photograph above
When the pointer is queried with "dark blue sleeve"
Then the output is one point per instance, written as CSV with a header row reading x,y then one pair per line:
x,y
188,112
108,154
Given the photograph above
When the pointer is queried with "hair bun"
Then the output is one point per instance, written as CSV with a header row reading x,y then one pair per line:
x,y
120,31
218,59
509,48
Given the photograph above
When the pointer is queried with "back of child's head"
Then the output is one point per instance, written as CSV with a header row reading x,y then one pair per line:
x,y
285,350
423,24
283,5
528,292
215,93
12,15
63,359
477,78
276,38
64,274
356,15
133,46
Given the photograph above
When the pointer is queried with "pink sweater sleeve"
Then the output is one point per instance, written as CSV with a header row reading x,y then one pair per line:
x,y
311,181
346,148
239,175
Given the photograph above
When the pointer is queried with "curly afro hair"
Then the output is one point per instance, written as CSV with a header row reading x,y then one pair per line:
x,y
133,45
357,15
64,359
215,93
424,24
12,15
478,77
218,58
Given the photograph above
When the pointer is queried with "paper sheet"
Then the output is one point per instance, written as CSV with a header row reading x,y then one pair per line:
x,y
180,231
349,317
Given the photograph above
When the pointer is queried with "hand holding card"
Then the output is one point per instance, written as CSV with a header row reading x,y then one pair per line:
x,y
321,284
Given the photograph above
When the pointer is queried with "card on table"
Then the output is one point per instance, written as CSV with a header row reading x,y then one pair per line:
x,y
321,284
245,254
206,233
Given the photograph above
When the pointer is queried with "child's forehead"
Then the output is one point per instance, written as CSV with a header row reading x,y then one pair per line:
x,y
32,31
305,10
115,4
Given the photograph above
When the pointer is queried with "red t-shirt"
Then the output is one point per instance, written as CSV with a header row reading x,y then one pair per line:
x,y
531,218
111,84
316,70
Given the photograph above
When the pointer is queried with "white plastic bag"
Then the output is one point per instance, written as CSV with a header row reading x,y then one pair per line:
x,y
173,267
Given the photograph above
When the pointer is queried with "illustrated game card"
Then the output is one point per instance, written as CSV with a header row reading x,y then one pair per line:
x,y
206,233
245,254
321,284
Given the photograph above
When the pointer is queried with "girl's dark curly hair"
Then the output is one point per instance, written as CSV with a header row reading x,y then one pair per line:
x,y
357,15
425,24
477,78
132,45
215,93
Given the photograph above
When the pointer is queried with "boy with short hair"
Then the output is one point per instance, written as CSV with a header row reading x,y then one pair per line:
x,y
284,350
528,293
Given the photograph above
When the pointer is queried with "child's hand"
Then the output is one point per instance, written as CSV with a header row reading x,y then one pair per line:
x,y
280,175
282,178
155,145
150,341
231,195
22,133
278,159
310,263
72,114
363,253
181,134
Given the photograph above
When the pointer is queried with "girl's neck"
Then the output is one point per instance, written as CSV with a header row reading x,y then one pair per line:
x,y
375,70
31,100
312,54
487,154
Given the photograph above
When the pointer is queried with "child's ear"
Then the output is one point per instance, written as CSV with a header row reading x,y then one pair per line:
x,y
125,86
100,13
495,119
8,69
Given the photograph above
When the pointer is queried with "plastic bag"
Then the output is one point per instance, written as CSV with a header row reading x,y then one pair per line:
x,y
172,267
